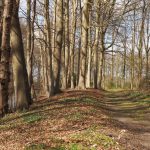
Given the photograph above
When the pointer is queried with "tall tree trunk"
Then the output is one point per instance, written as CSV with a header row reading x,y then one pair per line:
x,y
5,56
117,71
22,90
66,45
29,39
140,46
88,77
147,65
124,59
147,47
79,49
1,13
100,71
84,44
42,68
30,42
112,60
96,42
132,53
30,76
49,48
58,44
45,67
101,60
72,42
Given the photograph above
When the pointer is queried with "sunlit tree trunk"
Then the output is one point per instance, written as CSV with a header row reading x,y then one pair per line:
x,y
58,45
21,84
30,42
49,49
66,45
89,58
28,39
100,70
84,44
79,48
101,60
112,60
72,42
32,50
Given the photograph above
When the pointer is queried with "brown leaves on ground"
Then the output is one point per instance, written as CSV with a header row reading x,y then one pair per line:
x,y
72,120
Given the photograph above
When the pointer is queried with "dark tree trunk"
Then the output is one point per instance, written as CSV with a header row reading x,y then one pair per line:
x,y
5,56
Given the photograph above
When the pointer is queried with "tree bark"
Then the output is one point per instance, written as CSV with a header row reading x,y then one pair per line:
x,y
58,45
1,13
132,53
140,46
72,42
88,77
21,84
5,56
66,49
96,42
49,49
84,44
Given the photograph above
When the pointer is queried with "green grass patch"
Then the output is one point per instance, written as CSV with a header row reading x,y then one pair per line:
x,y
32,118
93,139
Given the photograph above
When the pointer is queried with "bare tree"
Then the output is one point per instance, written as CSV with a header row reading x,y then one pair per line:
x,y
58,45
5,56
84,44
21,84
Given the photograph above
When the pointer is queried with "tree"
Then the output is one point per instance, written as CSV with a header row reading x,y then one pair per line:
x,y
133,50
84,43
89,56
21,84
72,41
96,43
5,56
140,44
66,45
1,13
49,49
29,41
58,45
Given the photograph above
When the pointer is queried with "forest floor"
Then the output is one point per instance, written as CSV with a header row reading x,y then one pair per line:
x,y
81,120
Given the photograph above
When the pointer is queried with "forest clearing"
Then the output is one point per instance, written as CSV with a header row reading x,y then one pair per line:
x,y
74,75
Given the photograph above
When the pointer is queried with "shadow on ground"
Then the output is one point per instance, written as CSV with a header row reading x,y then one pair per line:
x,y
73,112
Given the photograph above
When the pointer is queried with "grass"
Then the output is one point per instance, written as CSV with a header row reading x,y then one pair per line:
x,y
32,118
93,139
19,119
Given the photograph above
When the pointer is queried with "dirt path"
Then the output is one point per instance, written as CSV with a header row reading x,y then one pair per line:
x,y
132,109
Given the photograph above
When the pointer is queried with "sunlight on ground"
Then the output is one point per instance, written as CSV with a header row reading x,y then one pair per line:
x,y
81,123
